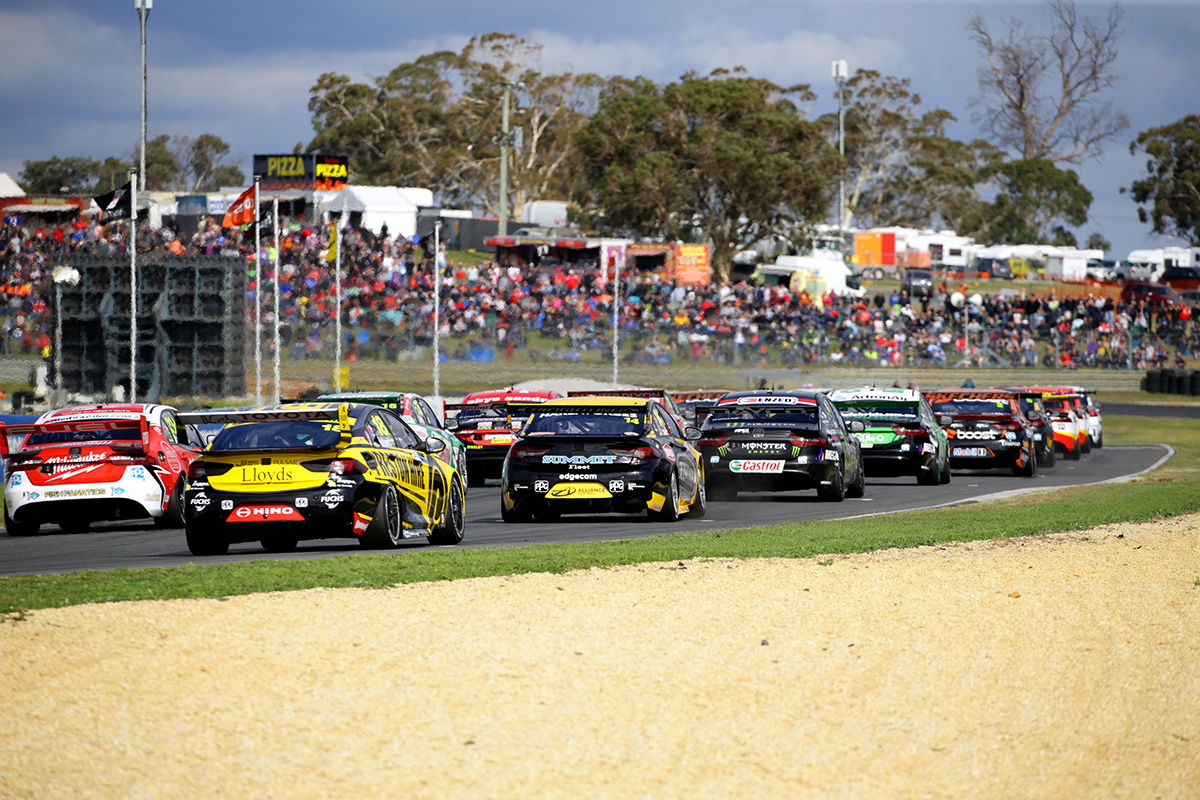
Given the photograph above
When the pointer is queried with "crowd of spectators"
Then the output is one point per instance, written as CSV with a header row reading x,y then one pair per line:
x,y
561,312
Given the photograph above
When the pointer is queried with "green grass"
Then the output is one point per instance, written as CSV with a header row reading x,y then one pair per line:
x,y
1172,490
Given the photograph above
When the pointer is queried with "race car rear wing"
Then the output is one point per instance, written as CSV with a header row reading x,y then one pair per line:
x,y
339,414
77,426
653,393
505,408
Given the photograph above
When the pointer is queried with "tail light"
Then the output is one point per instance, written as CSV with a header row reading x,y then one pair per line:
x,y
900,430
201,469
1093,413
18,463
642,452
528,450
716,440
1040,422
800,441
1014,426
346,466
140,461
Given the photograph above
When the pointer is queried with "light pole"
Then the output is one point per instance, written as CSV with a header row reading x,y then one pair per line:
x,y
143,8
438,264
70,277
840,72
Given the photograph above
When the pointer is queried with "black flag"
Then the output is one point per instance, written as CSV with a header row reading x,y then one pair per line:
x,y
115,204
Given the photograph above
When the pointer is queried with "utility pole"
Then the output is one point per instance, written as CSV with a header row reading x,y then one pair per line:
x,y
502,229
840,72
143,8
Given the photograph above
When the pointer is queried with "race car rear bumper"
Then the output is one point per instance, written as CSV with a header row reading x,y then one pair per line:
x,y
323,513
130,498
628,491
889,463
986,454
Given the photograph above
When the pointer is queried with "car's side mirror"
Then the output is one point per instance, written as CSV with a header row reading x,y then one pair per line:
x,y
692,433
855,426
945,420
433,445
451,424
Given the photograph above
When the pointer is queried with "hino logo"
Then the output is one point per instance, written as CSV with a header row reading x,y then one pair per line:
x,y
579,460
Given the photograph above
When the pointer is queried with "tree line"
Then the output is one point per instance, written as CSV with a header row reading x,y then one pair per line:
x,y
728,157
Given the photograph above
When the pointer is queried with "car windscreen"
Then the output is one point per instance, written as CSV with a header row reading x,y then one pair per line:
x,y
73,437
280,435
593,423
747,416
974,406
885,411
1031,405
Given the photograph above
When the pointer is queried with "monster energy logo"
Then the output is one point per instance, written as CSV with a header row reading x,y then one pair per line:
x,y
723,449
796,451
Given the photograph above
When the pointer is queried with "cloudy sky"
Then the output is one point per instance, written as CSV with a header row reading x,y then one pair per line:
x,y
242,68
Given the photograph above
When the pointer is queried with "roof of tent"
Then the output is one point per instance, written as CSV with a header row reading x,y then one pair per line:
x,y
378,198
9,187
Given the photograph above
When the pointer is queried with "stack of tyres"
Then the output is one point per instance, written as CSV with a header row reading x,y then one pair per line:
x,y
1153,381
1195,381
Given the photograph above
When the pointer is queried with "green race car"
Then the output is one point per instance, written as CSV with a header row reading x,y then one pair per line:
x,y
902,436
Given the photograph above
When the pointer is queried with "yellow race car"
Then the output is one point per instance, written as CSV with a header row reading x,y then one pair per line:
x,y
283,473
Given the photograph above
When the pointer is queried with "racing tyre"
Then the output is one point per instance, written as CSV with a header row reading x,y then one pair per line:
x,y
944,475
700,506
19,528
835,492
278,544
930,476
1050,457
204,543
74,525
1030,468
460,464
859,487
172,517
387,528
1087,447
454,520
1074,455
517,514
1099,441
670,507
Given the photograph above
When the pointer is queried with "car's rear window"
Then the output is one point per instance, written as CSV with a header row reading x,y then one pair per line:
x,y
598,423
73,437
762,416
878,410
282,435
973,406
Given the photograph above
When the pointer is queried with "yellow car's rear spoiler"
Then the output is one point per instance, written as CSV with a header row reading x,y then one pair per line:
x,y
339,413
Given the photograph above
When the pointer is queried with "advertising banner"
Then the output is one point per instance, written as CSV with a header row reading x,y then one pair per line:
x,y
304,171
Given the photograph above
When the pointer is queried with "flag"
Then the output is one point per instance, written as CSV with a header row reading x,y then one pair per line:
x,y
241,211
334,238
115,204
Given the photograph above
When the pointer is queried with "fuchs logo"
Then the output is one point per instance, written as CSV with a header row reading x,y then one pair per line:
x,y
580,460
201,500
332,498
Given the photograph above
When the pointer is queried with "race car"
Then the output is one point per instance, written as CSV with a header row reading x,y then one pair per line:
x,y
486,423
1043,426
284,473
1069,429
85,464
598,455
780,441
1091,407
419,415
901,437
987,430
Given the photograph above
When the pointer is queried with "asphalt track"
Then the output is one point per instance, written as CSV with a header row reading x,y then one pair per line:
x,y
131,545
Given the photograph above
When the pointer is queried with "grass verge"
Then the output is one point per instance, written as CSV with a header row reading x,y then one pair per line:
x,y
1169,491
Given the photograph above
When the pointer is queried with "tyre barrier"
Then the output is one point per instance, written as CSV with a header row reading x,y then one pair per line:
x,y
1172,381
1153,381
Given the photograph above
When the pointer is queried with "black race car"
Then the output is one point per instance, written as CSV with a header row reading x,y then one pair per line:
x,y
988,430
1043,426
780,441
602,454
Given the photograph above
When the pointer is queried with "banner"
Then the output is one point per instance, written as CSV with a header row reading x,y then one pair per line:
x,y
115,204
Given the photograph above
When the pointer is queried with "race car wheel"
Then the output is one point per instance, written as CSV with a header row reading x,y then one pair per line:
x,y
1087,446
944,475
670,506
460,464
1049,458
454,521
201,542
835,492
859,487
700,506
1099,441
172,517
518,514
75,525
387,528
19,528
1074,455
1030,468
929,476
278,544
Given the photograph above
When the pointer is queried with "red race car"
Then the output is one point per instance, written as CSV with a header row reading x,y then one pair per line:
x,y
80,465
487,422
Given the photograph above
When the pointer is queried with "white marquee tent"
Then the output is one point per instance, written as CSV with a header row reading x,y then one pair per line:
x,y
394,205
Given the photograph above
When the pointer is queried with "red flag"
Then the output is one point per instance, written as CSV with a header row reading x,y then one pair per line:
x,y
242,211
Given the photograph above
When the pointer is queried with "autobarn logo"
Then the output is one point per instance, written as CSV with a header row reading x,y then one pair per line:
x,y
579,460
264,513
